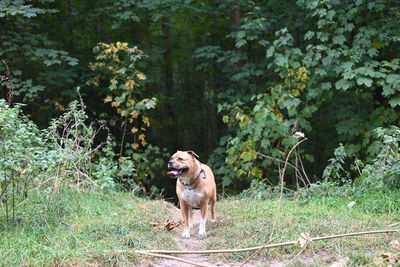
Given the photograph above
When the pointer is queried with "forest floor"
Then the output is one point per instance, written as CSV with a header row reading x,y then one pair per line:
x,y
97,229
249,222
194,243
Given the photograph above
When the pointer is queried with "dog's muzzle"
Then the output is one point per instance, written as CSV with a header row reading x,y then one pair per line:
x,y
175,170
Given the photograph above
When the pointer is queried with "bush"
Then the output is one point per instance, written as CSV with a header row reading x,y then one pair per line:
x,y
383,171
43,161
380,170
23,158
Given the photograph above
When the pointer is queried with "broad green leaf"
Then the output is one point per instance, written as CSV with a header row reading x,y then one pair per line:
x,y
364,81
343,84
395,101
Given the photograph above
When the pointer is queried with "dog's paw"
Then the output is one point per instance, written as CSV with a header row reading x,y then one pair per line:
x,y
185,234
202,232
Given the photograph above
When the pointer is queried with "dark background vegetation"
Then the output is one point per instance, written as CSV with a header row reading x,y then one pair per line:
x,y
233,81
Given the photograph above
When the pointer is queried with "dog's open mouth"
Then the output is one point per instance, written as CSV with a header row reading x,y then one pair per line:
x,y
177,172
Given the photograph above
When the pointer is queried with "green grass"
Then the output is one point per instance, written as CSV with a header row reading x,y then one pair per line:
x,y
248,222
81,229
84,229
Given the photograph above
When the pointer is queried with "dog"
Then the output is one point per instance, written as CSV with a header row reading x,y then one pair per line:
x,y
195,187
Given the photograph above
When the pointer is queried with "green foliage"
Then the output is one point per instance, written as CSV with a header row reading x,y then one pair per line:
x,y
150,169
335,170
235,77
23,158
380,170
266,126
48,160
33,159
383,171
261,190
25,47
116,64
106,169
336,79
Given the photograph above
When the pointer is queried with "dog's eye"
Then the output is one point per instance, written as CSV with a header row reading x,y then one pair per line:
x,y
180,159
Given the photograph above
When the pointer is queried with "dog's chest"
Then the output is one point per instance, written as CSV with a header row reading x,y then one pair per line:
x,y
192,198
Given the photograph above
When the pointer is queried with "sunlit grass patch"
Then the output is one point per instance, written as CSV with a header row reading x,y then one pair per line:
x,y
248,222
94,228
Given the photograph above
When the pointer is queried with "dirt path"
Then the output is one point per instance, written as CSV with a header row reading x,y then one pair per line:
x,y
193,243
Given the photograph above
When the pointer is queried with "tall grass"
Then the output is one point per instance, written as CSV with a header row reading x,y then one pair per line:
x,y
84,229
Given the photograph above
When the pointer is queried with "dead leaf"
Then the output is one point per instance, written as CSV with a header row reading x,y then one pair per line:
x,y
107,99
169,225
395,244
173,225
304,239
387,259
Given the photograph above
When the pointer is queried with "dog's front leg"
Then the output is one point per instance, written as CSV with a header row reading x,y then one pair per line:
x,y
190,217
203,219
185,218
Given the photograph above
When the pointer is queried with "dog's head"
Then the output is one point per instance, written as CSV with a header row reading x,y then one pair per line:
x,y
182,163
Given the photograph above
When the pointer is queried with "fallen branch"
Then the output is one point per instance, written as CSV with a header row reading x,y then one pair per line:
x,y
263,246
173,258
303,241
251,256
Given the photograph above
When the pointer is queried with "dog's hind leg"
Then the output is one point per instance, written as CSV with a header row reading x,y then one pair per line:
x,y
213,202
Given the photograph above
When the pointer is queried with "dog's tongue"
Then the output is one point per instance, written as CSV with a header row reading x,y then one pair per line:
x,y
174,172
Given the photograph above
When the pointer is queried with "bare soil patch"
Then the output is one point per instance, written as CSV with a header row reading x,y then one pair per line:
x,y
195,242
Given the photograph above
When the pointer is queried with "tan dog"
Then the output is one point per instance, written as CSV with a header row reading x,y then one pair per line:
x,y
195,188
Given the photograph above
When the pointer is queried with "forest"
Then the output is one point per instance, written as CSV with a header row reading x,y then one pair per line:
x,y
280,97
231,80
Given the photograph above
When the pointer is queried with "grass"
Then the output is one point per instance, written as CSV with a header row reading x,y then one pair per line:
x,y
82,229
86,228
248,222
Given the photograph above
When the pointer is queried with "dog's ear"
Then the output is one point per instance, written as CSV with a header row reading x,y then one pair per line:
x,y
190,152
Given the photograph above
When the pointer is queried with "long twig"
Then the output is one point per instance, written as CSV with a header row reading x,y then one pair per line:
x,y
174,258
251,256
280,160
260,247
286,163
162,253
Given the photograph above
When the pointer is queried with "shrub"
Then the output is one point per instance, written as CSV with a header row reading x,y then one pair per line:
x,y
23,157
43,160
383,171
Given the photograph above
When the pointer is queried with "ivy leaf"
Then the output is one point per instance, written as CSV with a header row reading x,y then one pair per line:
x,y
241,43
395,101
240,34
372,52
343,84
393,79
362,80
340,39
281,60
309,35
270,51
349,27
387,90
